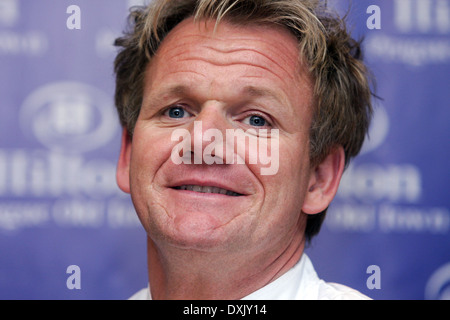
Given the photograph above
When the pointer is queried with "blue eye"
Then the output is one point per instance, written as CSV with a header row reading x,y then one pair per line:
x,y
176,112
257,121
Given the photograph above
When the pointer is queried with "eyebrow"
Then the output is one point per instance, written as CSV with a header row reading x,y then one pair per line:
x,y
181,90
251,91
261,92
177,90
158,98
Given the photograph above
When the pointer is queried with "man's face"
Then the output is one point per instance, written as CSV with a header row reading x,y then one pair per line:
x,y
233,78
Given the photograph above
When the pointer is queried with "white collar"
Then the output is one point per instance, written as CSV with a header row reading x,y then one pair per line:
x,y
289,285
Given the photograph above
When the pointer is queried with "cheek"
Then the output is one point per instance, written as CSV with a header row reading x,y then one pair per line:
x,y
287,188
151,149
293,158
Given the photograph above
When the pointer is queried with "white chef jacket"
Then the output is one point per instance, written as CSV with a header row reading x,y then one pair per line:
x,y
299,283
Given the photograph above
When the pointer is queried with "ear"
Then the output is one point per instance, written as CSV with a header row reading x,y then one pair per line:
x,y
324,182
123,165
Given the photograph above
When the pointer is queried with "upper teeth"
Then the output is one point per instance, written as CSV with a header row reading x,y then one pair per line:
x,y
207,189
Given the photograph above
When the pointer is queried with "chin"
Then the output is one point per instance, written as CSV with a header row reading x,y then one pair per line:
x,y
200,231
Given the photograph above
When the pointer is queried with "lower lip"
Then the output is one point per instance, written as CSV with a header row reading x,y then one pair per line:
x,y
198,208
204,194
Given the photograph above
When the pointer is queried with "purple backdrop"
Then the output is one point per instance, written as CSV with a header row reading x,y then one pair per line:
x,y
59,142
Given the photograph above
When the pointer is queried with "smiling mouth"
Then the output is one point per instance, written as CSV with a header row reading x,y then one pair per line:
x,y
208,189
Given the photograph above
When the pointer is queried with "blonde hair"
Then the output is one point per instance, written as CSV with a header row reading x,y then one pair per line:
x,y
342,92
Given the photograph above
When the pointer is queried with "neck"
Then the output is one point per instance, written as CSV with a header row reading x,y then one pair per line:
x,y
176,273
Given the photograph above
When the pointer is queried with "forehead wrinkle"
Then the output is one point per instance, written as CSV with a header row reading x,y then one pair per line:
x,y
235,63
227,44
269,46
208,31
243,59
243,49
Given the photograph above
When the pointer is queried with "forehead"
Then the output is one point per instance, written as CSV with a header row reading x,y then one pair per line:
x,y
224,43
227,35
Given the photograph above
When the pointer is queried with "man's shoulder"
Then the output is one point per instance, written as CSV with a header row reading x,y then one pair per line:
x,y
315,288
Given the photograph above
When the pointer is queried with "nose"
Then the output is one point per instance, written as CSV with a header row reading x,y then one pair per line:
x,y
208,133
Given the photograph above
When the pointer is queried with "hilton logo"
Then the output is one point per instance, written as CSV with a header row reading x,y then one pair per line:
x,y
70,117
